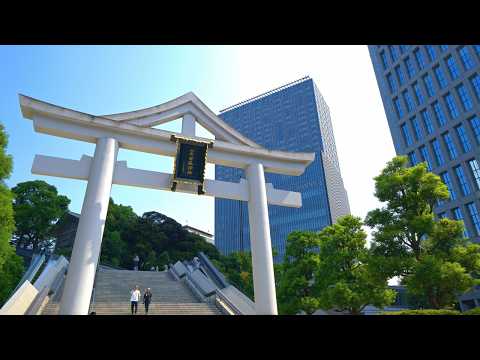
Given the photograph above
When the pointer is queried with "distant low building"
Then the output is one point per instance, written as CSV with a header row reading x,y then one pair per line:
x,y
65,231
209,237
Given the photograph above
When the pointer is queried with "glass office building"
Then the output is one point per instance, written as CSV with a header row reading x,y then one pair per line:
x,y
293,118
431,96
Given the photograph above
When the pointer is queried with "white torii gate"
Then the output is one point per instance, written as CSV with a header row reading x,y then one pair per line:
x,y
133,130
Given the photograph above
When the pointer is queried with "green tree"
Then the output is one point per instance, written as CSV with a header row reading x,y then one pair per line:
x,y
296,281
344,277
11,265
431,257
37,207
237,268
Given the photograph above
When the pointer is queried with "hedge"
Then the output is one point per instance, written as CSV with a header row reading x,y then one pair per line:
x,y
423,312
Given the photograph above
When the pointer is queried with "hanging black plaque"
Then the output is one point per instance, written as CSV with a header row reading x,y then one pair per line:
x,y
190,161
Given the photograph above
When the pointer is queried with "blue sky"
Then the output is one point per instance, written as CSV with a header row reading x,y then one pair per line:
x,y
111,79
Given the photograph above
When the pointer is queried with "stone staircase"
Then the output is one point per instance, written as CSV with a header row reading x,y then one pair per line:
x,y
112,295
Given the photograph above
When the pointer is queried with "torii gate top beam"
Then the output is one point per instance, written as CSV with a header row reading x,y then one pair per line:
x,y
67,123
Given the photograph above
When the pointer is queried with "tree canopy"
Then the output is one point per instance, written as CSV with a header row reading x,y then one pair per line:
x,y
11,265
431,256
37,207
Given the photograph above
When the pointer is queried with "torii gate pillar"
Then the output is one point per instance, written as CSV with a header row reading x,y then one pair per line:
x,y
260,241
88,240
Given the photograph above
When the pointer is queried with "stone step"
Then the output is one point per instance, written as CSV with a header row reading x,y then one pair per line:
x,y
155,309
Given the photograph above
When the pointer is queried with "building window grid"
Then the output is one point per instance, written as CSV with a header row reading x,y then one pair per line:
x,y
426,157
391,83
450,145
462,135
398,107
464,97
452,67
416,128
457,213
427,121
442,82
427,80
413,158
406,135
401,77
462,180
408,100
466,58
383,56
418,94
410,67
393,53
475,124
437,152
419,57
452,108
446,179
430,52
442,120
443,48
475,81
475,169
472,209
477,49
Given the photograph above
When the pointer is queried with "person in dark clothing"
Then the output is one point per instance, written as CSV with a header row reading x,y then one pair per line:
x,y
147,299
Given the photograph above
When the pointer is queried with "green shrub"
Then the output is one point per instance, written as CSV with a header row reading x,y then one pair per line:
x,y
474,311
423,312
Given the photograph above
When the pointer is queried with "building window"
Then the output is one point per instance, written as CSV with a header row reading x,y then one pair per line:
x,y
410,68
408,100
443,48
426,157
401,78
383,56
446,179
462,135
438,152
457,213
404,48
452,108
429,85
398,107
413,158
472,209
464,97
452,67
391,83
419,57
466,59
442,120
427,121
418,94
440,77
442,215
430,52
416,129
475,124
477,49
406,135
450,145
393,53
475,80
462,180
475,171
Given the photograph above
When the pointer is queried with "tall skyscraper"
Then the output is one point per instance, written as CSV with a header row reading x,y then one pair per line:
x,y
293,117
431,96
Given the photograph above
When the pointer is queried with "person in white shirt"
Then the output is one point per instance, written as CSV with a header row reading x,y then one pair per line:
x,y
135,297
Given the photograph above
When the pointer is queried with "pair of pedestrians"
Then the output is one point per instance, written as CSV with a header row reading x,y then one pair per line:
x,y
135,298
